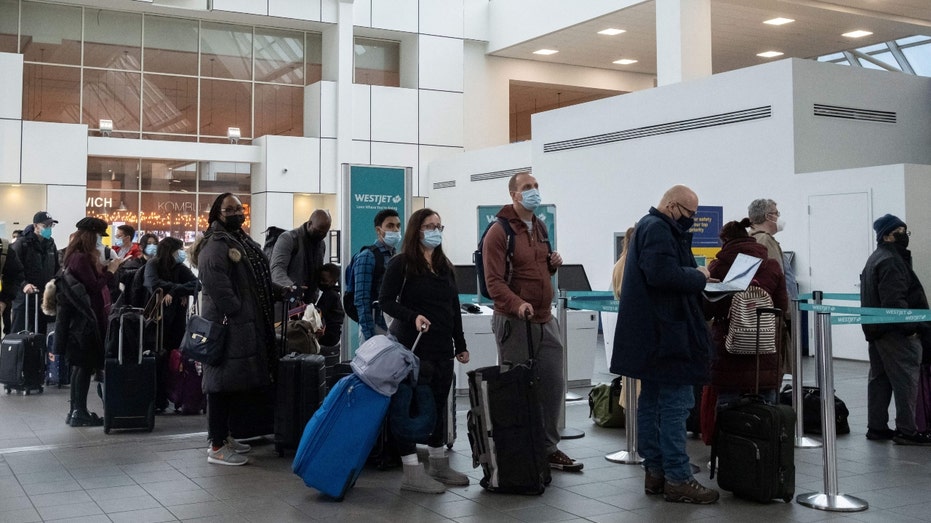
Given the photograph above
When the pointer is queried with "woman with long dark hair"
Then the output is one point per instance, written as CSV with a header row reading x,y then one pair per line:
x,y
166,271
419,291
238,292
83,307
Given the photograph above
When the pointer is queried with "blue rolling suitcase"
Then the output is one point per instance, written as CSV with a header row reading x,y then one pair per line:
x,y
338,438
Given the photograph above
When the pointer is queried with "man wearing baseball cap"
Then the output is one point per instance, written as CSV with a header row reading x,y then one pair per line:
x,y
888,281
38,254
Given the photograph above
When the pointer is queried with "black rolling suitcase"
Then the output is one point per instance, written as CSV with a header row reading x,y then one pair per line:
x,y
505,424
129,382
753,450
301,389
22,356
57,369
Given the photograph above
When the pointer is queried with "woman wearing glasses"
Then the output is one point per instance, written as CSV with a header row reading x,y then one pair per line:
x,y
237,291
419,291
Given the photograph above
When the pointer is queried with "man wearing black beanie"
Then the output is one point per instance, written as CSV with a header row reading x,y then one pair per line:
x,y
888,281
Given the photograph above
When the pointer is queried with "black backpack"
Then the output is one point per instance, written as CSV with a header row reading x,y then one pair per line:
x,y
349,305
478,259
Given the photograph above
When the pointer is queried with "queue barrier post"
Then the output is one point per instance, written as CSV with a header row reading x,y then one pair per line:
x,y
562,304
801,440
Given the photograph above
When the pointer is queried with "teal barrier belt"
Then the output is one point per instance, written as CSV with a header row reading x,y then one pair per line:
x,y
831,296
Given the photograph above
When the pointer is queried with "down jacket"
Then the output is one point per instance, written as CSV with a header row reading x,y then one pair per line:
x,y
77,334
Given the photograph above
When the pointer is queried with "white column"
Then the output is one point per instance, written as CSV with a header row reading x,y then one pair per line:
x,y
344,75
683,40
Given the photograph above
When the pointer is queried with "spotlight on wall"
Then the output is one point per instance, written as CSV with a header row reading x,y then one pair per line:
x,y
233,134
106,127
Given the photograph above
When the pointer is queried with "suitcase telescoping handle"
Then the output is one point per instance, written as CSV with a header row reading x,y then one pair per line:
x,y
35,321
139,313
529,337
760,311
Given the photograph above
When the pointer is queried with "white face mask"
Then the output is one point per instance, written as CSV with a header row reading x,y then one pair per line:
x,y
780,224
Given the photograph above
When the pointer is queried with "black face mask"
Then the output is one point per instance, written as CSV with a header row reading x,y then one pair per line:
x,y
316,236
235,222
901,239
326,287
685,223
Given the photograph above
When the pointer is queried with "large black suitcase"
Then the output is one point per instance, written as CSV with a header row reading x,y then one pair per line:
x,y
129,383
301,389
505,425
22,357
753,450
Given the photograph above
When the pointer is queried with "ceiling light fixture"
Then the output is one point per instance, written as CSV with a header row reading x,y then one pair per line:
x,y
770,54
779,21
611,31
624,61
545,52
859,33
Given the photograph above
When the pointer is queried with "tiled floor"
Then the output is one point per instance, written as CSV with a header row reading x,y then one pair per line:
x,y
49,471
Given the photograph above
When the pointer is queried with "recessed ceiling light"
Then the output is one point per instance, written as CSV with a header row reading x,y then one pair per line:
x,y
545,52
859,33
770,54
779,21
611,31
624,61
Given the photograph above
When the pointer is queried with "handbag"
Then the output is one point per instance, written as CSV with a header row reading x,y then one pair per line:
x,y
604,404
204,340
811,410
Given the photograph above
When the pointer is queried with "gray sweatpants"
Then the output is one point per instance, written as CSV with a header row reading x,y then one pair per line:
x,y
894,361
511,337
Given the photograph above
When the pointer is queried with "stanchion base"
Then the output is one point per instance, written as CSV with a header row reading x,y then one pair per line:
x,y
570,433
571,396
835,503
807,443
624,457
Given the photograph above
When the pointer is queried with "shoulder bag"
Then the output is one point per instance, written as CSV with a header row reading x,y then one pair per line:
x,y
204,340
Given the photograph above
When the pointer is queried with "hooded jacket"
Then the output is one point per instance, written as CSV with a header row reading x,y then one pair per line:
x,y
888,281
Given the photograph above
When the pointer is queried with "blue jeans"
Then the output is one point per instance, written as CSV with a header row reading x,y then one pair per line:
x,y
661,414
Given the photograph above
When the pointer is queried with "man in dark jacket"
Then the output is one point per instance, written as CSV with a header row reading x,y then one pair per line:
x,y
298,255
661,338
888,281
39,256
11,279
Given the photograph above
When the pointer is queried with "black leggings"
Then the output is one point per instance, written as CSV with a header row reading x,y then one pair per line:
x,y
218,417
80,384
438,374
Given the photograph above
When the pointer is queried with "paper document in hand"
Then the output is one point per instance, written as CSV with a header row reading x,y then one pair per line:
x,y
738,277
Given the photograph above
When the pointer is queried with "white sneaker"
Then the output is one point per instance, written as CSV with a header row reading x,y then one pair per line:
x,y
225,456
238,447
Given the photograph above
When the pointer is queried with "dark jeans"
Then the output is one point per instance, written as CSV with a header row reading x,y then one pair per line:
x,y
438,374
80,385
219,407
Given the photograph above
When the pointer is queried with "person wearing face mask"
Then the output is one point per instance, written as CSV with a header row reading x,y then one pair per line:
x,y
888,281
123,247
167,271
38,255
367,273
330,306
135,293
662,339
419,291
298,255
237,291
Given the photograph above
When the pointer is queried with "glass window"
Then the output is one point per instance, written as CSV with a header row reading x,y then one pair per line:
x,y
112,95
112,39
169,104
51,93
313,58
113,174
279,110
377,62
226,51
225,104
9,26
169,214
220,177
169,176
113,206
279,56
920,58
51,33
170,45
885,57
913,40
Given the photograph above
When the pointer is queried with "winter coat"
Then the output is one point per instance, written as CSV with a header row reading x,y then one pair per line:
x,y
435,297
661,333
530,270
737,373
229,294
888,281
39,258
296,260
82,306
11,275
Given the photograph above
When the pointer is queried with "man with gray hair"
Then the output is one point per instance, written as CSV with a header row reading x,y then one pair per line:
x,y
765,221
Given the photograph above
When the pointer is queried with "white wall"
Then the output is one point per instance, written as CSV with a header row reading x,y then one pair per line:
x,y
918,216
20,203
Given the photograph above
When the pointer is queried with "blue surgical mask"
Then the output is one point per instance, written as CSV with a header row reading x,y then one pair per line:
x,y
46,233
393,238
151,249
432,239
180,256
530,199
117,242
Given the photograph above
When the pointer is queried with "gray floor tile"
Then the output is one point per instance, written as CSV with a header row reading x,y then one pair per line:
x,y
150,515
98,482
71,510
55,498
114,505
22,515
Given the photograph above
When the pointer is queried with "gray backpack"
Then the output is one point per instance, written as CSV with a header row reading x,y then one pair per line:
x,y
382,363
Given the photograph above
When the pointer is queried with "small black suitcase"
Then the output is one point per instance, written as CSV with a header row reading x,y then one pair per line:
x,y
57,369
301,389
22,356
129,383
753,451
505,425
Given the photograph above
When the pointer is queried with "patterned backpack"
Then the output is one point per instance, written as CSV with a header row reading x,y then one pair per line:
x,y
743,324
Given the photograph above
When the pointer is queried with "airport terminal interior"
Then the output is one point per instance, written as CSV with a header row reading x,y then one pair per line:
x,y
141,112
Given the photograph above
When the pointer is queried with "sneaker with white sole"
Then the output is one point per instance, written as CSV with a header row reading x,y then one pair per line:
x,y
238,447
225,456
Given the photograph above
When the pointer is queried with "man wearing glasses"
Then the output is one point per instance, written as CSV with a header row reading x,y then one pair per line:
x,y
765,222
888,281
662,339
